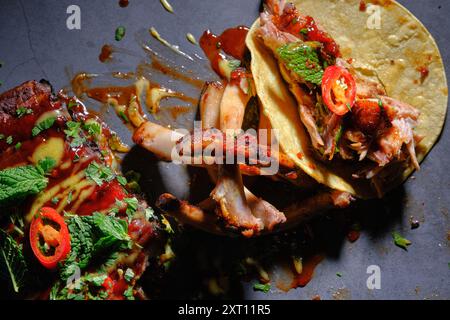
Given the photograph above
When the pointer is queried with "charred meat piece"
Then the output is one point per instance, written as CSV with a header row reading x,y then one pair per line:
x,y
82,181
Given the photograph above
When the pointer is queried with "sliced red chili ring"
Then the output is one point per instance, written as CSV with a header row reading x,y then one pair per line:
x,y
49,237
338,90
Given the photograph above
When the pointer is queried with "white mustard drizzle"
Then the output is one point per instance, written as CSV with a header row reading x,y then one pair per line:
x,y
155,34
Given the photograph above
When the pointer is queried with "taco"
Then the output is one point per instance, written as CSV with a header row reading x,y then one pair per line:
x,y
357,92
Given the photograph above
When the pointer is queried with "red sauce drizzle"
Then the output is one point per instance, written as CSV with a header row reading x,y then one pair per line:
x,y
308,271
424,72
231,42
106,53
362,6
124,3
353,235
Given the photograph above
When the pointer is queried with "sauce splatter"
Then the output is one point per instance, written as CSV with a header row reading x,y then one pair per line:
x,y
424,73
362,6
353,235
231,42
176,111
290,279
171,72
124,3
106,53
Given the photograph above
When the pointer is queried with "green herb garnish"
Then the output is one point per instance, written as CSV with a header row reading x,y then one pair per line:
x,y
69,197
303,60
400,241
73,131
43,125
93,128
120,33
234,64
99,173
129,293
94,236
261,287
22,111
20,182
9,140
46,165
124,116
122,180
129,275
18,145
150,214
132,206
13,267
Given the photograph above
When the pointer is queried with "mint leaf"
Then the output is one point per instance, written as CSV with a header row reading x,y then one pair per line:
x,y
97,280
13,267
303,60
129,293
132,206
111,226
46,165
19,182
73,131
99,173
400,241
43,125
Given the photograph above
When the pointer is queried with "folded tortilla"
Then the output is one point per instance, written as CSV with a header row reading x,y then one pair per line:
x,y
392,54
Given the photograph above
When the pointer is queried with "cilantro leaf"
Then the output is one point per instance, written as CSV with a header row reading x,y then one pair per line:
x,y
13,267
43,125
261,287
303,60
400,241
19,182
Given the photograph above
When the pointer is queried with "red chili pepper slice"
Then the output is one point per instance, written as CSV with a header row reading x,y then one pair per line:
x,y
49,237
338,90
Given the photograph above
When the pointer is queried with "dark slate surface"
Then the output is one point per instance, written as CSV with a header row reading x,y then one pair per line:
x,y
35,44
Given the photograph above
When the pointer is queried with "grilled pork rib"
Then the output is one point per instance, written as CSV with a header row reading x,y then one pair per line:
x,y
75,192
